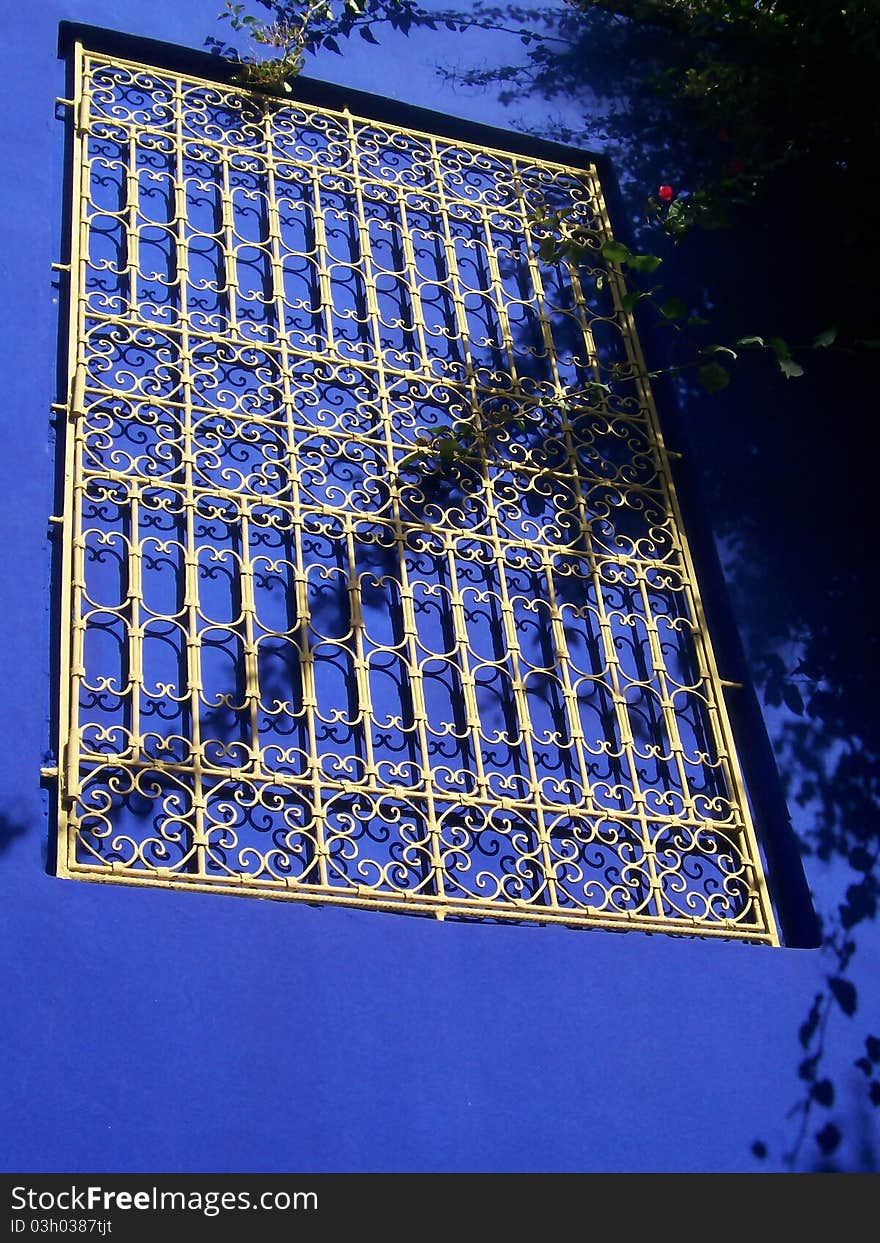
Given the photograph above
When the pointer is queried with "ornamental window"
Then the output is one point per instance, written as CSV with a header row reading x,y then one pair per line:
x,y
375,587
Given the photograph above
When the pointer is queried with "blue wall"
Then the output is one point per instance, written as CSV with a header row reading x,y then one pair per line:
x,y
164,1031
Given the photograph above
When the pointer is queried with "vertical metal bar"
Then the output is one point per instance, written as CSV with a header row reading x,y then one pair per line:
x,y
365,715
71,650
322,257
191,556
455,282
412,279
569,693
230,281
499,300
463,663
132,261
135,627
300,584
410,627
667,707
309,688
251,656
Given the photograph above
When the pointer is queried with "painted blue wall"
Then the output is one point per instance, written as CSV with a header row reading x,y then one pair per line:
x,y
162,1031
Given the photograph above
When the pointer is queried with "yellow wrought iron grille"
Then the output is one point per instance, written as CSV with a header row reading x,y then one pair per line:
x,y
312,650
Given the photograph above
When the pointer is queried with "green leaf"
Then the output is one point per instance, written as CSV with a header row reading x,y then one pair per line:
x,y
644,263
615,252
719,349
751,342
779,347
447,448
789,367
872,1044
629,300
697,321
714,377
573,250
676,221
673,308
824,339
844,993
547,249
367,34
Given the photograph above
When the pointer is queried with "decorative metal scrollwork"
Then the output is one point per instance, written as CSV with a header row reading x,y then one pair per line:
x,y
298,660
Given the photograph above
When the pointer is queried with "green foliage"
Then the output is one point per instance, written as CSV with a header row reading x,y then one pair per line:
x,y
781,82
561,238
468,441
644,263
288,35
298,27
714,377
673,308
615,252
823,339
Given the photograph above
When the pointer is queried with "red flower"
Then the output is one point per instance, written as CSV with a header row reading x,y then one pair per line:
x,y
666,193
723,135
735,167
